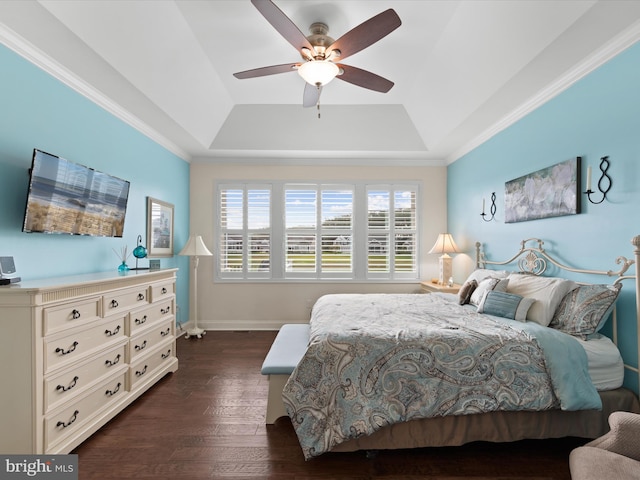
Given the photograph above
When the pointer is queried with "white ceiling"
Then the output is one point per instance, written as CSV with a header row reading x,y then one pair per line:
x,y
463,70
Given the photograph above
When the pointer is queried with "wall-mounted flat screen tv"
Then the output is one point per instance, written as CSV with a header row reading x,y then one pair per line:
x,y
68,198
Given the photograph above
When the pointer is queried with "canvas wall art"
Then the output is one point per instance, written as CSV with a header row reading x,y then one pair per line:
x,y
550,192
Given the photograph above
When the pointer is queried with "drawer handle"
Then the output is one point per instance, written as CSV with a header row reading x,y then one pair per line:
x,y
75,314
62,351
110,333
141,296
141,347
71,385
164,311
73,419
111,393
164,290
140,321
165,332
166,355
110,363
114,303
140,373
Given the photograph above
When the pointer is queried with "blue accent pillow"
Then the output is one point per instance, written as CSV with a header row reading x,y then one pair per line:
x,y
507,305
584,310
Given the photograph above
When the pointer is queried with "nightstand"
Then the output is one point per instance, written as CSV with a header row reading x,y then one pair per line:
x,y
430,287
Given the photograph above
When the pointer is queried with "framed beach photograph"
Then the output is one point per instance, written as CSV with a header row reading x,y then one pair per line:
x,y
549,192
159,228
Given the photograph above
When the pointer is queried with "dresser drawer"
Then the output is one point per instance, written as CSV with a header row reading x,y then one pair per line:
x,y
69,419
149,338
143,318
61,350
70,315
125,300
64,386
162,290
144,366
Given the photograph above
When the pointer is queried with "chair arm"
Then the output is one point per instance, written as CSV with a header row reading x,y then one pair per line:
x,y
624,436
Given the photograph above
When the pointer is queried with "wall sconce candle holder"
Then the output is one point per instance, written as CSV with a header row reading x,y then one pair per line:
x,y
492,209
604,183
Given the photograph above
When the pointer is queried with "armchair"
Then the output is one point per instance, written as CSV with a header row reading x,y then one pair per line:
x,y
613,455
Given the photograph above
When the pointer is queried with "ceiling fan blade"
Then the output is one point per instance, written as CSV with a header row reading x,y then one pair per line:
x,y
263,71
365,79
282,24
367,33
311,95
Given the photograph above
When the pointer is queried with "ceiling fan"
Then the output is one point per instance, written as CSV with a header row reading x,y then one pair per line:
x,y
320,52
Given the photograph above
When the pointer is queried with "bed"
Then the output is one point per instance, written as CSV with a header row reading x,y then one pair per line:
x,y
516,354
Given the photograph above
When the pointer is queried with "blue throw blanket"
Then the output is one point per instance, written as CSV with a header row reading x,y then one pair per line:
x,y
376,359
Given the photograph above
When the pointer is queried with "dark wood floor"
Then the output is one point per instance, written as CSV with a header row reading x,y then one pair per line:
x,y
206,421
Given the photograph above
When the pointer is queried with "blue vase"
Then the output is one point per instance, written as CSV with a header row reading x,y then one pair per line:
x,y
123,267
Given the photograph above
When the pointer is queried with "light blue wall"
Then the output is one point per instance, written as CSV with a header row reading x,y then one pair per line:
x,y
38,111
598,116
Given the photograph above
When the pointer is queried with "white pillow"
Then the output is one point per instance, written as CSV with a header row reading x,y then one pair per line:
x,y
481,273
547,291
487,285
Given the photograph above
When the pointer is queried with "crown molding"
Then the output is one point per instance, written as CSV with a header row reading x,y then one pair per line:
x,y
599,58
32,54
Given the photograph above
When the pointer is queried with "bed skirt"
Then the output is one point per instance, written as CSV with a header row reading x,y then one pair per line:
x,y
497,426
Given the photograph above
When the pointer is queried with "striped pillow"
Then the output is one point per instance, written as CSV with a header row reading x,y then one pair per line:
x,y
507,305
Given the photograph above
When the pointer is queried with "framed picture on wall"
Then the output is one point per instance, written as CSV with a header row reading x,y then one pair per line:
x,y
159,228
550,192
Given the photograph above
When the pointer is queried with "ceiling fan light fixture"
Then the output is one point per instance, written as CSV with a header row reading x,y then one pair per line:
x,y
318,72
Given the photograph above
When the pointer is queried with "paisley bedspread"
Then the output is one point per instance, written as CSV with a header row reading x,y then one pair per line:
x,y
377,359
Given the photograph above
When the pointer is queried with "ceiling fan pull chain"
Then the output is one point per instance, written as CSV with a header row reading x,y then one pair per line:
x,y
318,107
318,104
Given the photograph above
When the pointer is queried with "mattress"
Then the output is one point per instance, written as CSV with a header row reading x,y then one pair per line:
x,y
605,364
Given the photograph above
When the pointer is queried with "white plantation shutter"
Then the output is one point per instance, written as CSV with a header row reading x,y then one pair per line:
x,y
317,231
392,232
244,231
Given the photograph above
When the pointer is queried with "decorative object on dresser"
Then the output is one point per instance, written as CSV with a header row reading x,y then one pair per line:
x,y
159,228
444,245
139,252
8,272
196,248
492,208
123,256
604,183
78,350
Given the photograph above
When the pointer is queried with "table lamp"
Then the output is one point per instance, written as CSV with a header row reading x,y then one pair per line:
x,y
444,245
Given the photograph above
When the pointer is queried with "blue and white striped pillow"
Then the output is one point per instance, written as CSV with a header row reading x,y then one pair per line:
x,y
507,305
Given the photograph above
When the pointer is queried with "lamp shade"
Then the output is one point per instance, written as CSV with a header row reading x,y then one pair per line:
x,y
444,244
318,72
195,247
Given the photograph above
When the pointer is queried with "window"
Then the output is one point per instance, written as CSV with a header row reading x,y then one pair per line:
x,y
244,245
391,232
317,231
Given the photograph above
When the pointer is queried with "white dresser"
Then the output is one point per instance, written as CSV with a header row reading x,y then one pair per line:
x,y
77,350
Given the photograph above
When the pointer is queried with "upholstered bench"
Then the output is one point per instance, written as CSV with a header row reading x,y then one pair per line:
x,y
283,357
